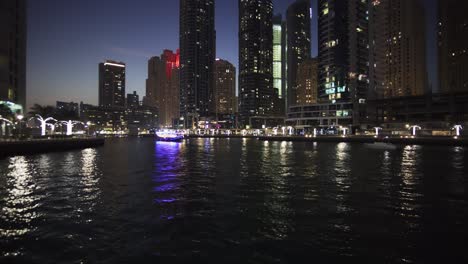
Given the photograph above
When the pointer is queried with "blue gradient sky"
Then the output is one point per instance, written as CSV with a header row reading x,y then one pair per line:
x,y
68,38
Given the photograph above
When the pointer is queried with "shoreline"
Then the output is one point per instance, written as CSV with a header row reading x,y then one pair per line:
x,y
38,146
437,141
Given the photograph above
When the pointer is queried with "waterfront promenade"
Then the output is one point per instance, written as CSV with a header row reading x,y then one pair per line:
x,y
407,140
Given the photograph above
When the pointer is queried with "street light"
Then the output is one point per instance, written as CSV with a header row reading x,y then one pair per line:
x,y
6,123
458,129
20,118
377,129
44,123
70,124
345,131
414,129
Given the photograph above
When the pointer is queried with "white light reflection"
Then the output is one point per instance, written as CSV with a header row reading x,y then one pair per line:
x,y
408,190
90,175
20,200
342,167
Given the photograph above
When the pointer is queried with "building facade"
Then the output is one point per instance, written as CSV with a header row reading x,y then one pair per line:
x,y
279,56
197,57
118,120
133,100
344,54
67,109
112,84
225,88
307,83
151,82
398,48
343,50
453,45
13,52
333,43
298,23
162,86
255,59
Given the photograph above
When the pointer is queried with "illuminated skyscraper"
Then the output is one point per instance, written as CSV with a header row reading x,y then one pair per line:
x,y
279,55
225,88
13,51
197,57
298,42
397,48
162,86
453,45
343,50
255,59
112,84
307,82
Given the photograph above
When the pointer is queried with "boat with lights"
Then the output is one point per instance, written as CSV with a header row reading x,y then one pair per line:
x,y
170,135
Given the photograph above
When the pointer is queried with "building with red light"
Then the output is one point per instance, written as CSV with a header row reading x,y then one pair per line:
x,y
162,86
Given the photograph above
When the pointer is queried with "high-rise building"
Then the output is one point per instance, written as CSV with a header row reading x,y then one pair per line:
x,y
151,82
197,57
13,52
344,54
298,23
255,59
343,50
133,100
279,55
225,88
307,82
112,84
453,45
162,86
397,48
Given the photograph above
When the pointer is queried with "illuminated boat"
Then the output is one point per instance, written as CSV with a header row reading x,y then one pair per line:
x,y
169,135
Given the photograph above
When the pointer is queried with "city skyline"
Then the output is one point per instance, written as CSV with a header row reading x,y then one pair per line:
x,y
61,33
57,38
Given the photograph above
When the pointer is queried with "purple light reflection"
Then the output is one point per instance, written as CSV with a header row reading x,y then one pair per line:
x,y
167,166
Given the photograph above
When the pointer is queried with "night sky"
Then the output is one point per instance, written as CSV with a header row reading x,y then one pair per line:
x,y
68,38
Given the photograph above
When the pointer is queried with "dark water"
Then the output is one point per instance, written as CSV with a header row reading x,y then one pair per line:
x,y
235,201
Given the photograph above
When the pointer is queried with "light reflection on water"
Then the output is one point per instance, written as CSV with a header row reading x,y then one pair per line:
x,y
19,199
236,200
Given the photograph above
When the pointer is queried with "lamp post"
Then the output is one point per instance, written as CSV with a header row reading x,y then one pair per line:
x,y
414,129
70,124
458,129
345,131
6,123
44,123
20,119
88,127
377,129
275,131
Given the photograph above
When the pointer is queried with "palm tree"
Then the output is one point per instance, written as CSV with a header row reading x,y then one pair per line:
x,y
5,112
45,111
